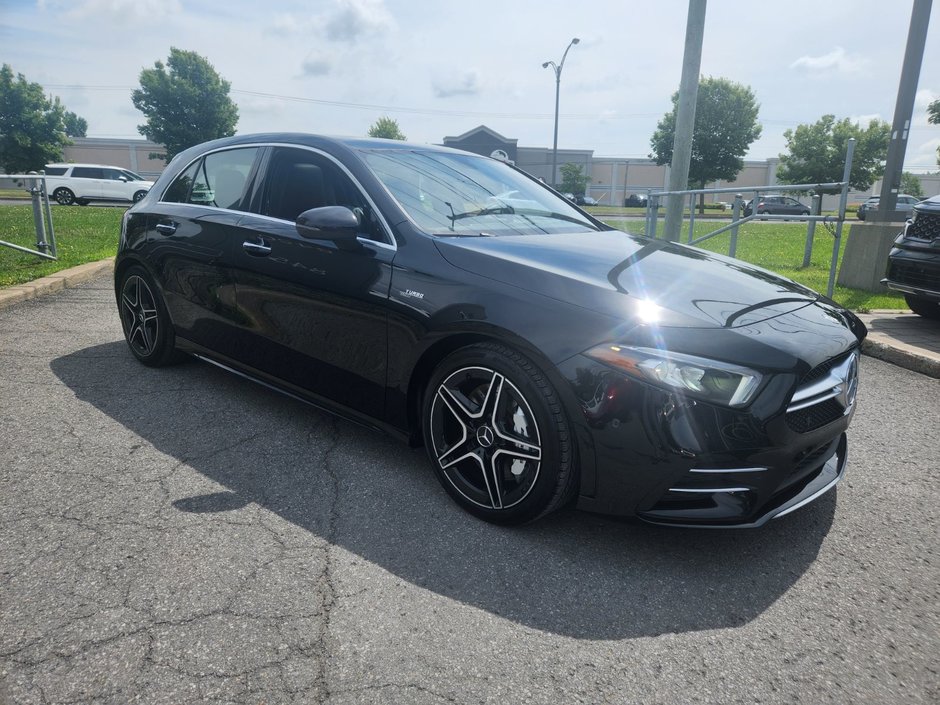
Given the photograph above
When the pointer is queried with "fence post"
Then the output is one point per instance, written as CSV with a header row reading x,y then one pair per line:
x,y
51,229
654,215
811,230
735,213
843,199
35,190
691,216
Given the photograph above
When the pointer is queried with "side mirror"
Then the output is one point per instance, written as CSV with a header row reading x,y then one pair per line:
x,y
328,223
122,178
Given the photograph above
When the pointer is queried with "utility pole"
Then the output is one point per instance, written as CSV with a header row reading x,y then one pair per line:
x,y
685,117
903,111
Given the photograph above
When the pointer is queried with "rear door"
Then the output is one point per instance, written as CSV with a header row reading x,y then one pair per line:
x,y
87,182
314,311
192,234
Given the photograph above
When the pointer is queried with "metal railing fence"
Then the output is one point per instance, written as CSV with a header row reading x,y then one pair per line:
x,y
42,216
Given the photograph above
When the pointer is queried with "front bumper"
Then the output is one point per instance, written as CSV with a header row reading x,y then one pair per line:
x,y
914,268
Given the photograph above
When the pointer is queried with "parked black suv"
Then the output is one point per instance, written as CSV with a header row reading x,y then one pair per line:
x,y
914,261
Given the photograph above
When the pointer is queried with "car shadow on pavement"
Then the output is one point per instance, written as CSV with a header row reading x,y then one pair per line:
x,y
574,574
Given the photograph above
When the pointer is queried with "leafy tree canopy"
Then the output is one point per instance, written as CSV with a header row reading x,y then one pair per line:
x,y
32,126
933,117
386,128
816,153
75,126
573,179
725,126
185,102
910,185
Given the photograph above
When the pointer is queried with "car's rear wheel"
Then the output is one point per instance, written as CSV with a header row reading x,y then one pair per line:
x,y
63,196
923,307
139,195
147,328
497,435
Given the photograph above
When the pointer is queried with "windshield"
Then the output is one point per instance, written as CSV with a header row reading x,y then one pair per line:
x,y
463,194
131,176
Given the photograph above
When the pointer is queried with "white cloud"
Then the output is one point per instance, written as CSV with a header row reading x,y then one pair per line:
x,y
864,121
836,60
121,11
355,18
316,66
466,83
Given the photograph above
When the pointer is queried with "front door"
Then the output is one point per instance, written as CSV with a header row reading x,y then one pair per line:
x,y
313,310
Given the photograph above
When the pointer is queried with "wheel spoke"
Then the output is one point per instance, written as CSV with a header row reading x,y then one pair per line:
x,y
456,407
533,455
493,485
493,395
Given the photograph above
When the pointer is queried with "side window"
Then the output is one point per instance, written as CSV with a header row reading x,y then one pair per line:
x,y
87,172
55,170
218,180
298,180
178,192
113,174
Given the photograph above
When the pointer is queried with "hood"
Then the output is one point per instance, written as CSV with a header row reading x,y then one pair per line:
x,y
632,278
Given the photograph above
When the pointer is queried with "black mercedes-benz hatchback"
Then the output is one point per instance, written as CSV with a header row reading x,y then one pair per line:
x,y
540,356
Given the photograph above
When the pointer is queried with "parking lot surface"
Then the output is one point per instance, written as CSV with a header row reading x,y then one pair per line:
x,y
183,535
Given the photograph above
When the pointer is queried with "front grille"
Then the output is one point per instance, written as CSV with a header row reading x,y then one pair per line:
x,y
926,226
913,274
824,394
813,417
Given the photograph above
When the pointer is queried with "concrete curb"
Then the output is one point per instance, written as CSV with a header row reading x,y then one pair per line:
x,y
54,282
900,354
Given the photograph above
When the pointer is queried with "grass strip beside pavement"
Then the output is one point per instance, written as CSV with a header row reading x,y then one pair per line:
x,y
82,235
779,248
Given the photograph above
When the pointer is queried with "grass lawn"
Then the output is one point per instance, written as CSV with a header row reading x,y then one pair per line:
x,y
779,247
82,235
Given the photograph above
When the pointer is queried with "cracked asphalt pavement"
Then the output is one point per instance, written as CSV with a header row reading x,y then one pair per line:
x,y
185,536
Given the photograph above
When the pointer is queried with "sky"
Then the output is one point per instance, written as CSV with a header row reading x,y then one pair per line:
x,y
442,67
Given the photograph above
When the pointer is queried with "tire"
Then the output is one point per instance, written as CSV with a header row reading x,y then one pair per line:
x,y
139,196
762,213
144,319
923,307
497,436
63,196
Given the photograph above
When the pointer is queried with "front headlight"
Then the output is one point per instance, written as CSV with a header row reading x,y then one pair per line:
x,y
710,380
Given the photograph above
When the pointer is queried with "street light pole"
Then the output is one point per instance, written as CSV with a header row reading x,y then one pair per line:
x,y
557,69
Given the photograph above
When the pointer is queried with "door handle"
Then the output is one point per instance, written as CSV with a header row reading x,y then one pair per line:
x,y
258,249
167,228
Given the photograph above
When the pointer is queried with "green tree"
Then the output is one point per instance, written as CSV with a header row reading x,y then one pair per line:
x,y
725,126
185,102
75,126
573,179
910,185
32,129
816,153
933,117
386,128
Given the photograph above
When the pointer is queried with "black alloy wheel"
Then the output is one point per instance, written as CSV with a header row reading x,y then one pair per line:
x,y
63,196
139,196
497,436
144,319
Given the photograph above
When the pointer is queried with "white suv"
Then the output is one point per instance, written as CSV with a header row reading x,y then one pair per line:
x,y
81,183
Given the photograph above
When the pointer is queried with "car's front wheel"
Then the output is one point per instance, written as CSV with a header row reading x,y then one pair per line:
x,y
139,195
147,328
923,307
63,196
497,435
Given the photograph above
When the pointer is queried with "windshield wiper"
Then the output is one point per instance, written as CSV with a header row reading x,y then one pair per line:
x,y
496,210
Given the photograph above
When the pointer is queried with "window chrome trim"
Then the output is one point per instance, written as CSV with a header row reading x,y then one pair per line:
x,y
390,245
721,471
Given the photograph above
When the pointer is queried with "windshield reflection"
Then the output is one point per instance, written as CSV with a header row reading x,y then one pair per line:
x,y
468,195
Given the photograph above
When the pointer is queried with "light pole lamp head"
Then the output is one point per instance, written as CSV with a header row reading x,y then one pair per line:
x,y
575,40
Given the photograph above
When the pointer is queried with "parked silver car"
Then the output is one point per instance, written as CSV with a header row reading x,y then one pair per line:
x,y
905,203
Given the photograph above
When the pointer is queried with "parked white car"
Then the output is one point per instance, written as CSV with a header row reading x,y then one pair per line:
x,y
82,183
